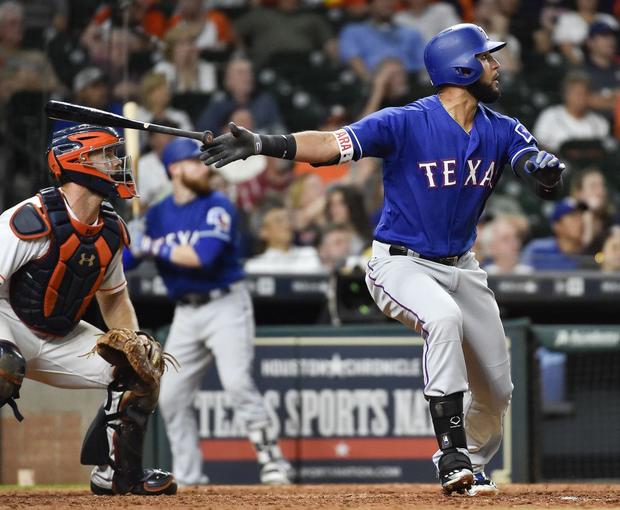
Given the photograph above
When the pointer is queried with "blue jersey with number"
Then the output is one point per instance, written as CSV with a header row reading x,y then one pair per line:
x,y
209,225
436,176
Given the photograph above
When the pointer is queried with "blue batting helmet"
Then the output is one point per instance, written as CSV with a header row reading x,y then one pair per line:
x,y
178,150
450,56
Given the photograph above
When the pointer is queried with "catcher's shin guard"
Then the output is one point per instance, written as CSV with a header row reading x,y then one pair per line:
x,y
116,438
455,469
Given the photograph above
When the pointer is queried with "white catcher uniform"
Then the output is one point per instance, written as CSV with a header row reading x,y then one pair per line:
x,y
50,359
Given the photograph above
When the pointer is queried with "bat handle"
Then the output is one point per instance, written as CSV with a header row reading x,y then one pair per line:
x,y
207,137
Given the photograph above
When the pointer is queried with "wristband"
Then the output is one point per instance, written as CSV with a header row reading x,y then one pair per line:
x,y
277,146
345,145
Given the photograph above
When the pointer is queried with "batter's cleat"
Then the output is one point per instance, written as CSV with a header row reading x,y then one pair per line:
x,y
203,480
455,472
276,472
483,486
154,482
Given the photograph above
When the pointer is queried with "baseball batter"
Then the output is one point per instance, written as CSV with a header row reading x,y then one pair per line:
x,y
442,157
60,249
192,235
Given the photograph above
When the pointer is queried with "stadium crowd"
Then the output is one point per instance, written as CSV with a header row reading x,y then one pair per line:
x,y
277,66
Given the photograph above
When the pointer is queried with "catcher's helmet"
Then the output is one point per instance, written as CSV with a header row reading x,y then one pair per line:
x,y
93,157
178,150
450,56
12,372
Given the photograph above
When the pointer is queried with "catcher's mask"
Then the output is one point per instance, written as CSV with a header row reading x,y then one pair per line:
x,y
93,157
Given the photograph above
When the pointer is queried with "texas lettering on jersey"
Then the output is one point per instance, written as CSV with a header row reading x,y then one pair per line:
x,y
444,173
208,224
437,176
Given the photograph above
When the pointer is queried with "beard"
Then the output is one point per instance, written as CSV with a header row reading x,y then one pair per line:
x,y
198,186
484,93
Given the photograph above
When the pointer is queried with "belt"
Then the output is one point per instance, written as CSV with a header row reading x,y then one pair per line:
x,y
452,260
203,299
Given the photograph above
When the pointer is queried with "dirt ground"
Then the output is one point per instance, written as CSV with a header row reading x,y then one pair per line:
x,y
328,497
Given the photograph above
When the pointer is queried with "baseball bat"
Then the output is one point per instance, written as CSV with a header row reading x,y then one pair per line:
x,y
83,114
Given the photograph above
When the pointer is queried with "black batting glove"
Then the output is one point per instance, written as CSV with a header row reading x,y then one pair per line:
x,y
546,168
240,143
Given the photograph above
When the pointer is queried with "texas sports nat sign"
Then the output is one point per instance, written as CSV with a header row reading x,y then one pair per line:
x,y
347,409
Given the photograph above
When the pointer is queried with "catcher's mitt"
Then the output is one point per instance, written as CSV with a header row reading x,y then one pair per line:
x,y
135,349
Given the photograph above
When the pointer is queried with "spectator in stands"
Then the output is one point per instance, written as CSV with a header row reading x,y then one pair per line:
x,y
306,200
213,27
489,16
280,255
602,68
572,120
43,19
389,87
91,88
428,18
345,206
562,251
571,29
503,239
239,92
20,68
363,46
111,47
609,258
590,188
146,18
155,97
269,32
183,67
153,182
335,246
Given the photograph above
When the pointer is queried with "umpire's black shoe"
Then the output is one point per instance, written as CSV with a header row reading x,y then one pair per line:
x,y
154,482
455,472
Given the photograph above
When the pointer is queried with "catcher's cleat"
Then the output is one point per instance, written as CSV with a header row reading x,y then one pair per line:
x,y
277,472
455,472
483,486
154,482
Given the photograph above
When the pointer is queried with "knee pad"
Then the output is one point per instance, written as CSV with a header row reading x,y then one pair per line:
x,y
447,415
12,372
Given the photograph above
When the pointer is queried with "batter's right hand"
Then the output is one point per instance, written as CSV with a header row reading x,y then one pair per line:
x,y
240,143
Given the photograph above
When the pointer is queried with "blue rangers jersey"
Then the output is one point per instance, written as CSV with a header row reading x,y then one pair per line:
x,y
437,177
208,224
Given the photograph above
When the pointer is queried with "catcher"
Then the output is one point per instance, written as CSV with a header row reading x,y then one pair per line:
x,y
60,249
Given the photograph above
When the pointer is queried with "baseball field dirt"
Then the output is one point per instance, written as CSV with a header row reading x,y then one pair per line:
x,y
328,497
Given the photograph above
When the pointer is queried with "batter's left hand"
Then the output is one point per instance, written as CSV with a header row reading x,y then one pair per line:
x,y
542,160
546,167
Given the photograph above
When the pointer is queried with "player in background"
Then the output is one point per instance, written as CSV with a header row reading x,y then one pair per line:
x,y
442,158
192,236
60,249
